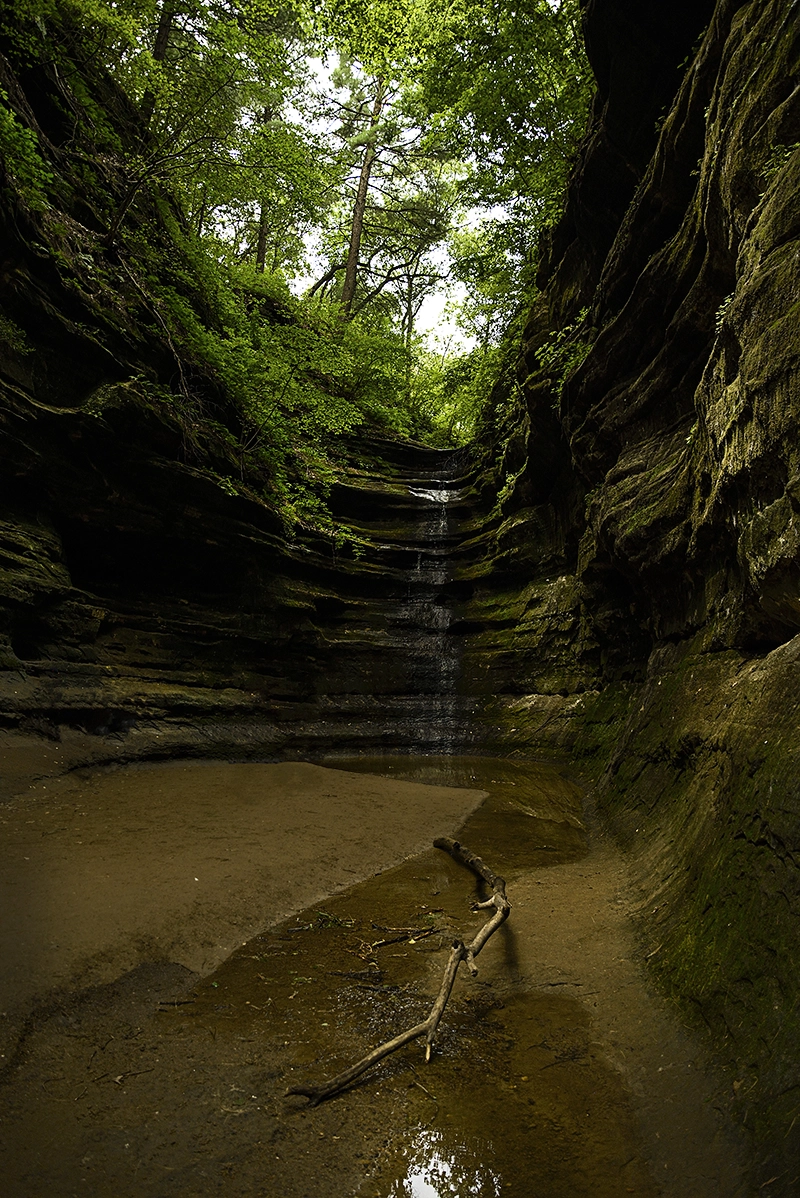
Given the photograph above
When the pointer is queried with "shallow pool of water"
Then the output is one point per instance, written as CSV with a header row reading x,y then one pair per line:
x,y
519,1097
518,1100
533,815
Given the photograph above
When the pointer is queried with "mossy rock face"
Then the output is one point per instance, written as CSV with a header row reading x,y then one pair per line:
x,y
133,583
678,521
682,419
702,788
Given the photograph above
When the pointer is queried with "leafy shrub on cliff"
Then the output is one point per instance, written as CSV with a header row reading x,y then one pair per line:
x,y
21,158
564,351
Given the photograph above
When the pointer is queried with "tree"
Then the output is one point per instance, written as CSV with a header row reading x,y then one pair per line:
x,y
394,204
439,146
166,20
360,204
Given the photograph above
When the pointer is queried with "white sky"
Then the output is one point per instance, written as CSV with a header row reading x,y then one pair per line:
x,y
438,326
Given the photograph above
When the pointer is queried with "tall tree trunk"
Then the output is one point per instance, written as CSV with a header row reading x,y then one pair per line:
x,y
261,246
267,115
166,19
409,331
359,208
201,212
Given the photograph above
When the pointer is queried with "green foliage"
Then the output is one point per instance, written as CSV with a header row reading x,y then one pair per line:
x,y
449,392
221,167
722,310
564,351
22,161
511,85
287,379
299,377
492,260
378,33
779,156
23,27
14,337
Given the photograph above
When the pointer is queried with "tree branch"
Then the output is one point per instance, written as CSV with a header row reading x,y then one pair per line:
x,y
458,953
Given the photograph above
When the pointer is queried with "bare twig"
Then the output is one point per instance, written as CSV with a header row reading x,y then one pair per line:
x,y
407,934
458,953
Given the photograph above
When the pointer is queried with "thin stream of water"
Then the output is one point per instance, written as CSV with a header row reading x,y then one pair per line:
x,y
424,621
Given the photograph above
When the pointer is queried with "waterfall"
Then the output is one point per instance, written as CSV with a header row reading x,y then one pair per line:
x,y
393,660
427,618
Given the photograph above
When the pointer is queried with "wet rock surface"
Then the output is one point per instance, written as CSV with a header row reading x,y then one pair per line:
x,y
204,631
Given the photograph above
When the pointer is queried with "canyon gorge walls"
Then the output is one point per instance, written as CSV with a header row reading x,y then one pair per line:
x,y
611,576
649,522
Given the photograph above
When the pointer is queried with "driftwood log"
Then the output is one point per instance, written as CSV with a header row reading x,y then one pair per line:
x,y
459,952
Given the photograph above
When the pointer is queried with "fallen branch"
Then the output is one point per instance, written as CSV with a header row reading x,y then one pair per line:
x,y
410,934
458,953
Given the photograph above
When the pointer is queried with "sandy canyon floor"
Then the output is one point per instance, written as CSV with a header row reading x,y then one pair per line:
x,y
182,941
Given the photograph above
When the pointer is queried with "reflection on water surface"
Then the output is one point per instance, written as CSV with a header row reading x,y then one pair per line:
x,y
438,1169
531,818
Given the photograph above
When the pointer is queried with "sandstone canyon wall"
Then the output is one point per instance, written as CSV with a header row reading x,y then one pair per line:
x,y
649,525
616,570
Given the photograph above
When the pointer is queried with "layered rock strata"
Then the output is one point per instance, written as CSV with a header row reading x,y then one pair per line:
x,y
615,573
650,502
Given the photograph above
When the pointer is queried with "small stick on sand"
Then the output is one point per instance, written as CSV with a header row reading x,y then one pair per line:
x,y
458,953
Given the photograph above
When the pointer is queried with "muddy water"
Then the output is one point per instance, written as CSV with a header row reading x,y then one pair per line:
x,y
518,1099
182,861
551,1077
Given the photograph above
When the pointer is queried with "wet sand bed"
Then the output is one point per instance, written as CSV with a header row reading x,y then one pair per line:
x,y
104,870
557,1072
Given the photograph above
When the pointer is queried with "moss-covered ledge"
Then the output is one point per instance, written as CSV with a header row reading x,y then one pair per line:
x,y
702,790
